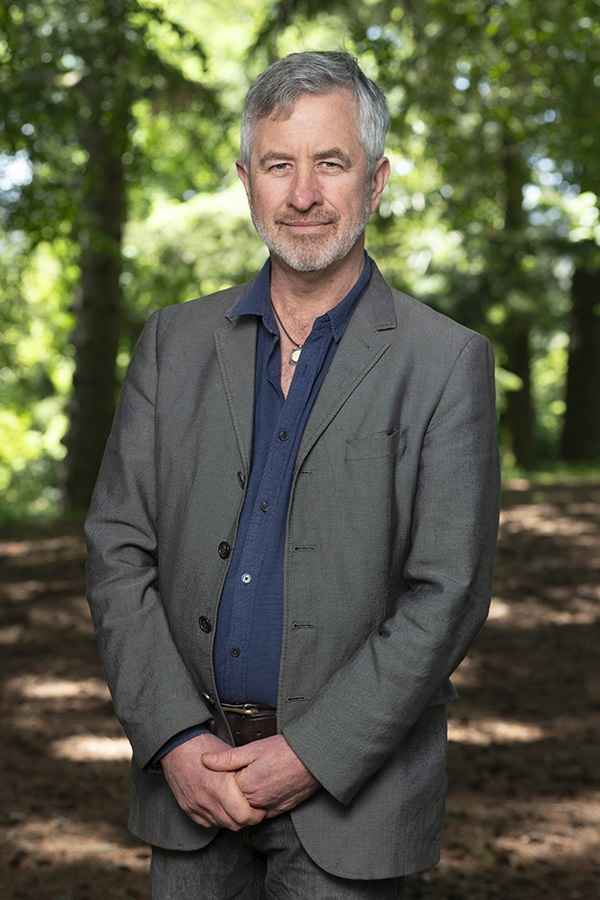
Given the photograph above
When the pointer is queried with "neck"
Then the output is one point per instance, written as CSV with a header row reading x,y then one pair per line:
x,y
307,295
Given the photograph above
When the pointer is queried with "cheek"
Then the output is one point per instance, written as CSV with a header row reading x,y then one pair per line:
x,y
350,201
269,202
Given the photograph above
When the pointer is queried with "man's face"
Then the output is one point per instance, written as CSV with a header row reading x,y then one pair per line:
x,y
307,183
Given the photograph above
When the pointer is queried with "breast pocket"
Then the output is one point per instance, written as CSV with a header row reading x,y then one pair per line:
x,y
376,446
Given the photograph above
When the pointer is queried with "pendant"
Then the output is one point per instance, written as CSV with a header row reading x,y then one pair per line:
x,y
295,356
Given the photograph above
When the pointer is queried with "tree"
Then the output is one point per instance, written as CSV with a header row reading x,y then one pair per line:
x,y
501,97
581,435
115,130
73,74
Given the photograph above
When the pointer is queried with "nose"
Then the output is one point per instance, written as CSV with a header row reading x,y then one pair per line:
x,y
305,190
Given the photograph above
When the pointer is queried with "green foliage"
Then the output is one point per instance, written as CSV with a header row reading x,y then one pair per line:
x,y
492,202
74,75
35,376
186,249
70,67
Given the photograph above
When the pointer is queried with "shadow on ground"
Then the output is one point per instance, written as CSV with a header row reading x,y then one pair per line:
x,y
524,793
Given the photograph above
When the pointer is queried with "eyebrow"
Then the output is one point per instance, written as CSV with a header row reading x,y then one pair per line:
x,y
272,155
332,153
335,153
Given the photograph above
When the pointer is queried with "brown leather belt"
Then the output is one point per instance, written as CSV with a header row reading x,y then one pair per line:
x,y
250,723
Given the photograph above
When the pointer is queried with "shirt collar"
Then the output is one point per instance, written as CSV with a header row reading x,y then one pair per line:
x,y
257,301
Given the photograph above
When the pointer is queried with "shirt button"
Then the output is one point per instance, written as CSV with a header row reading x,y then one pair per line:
x,y
283,435
204,624
265,506
224,549
235,651
246,579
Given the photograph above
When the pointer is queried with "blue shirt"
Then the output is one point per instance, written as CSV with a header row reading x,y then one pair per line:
x,y
248,634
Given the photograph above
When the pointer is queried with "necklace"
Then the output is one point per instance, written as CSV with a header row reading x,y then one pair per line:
x,y
295,354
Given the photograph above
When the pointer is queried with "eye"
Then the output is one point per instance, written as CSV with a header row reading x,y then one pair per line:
x,y
329,165
280,167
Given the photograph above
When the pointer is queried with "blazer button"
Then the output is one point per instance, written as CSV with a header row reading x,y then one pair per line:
x,y
204,624
224,549
241,479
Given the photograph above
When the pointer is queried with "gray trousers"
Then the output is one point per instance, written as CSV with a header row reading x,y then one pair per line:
x,y
262,862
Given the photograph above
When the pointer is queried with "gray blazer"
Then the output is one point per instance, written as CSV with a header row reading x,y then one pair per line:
x,y
388,567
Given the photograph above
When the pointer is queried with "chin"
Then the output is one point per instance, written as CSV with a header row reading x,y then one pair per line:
x,y
311,259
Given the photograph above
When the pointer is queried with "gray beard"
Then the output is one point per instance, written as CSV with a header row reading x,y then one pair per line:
x,y
311,254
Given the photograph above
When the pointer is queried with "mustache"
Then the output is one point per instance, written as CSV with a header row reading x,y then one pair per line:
x,y
322,219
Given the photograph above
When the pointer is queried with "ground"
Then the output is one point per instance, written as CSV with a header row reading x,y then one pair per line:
x,y
524,788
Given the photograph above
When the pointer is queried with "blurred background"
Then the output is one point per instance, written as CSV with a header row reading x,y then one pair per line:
x,y
118,135
118,195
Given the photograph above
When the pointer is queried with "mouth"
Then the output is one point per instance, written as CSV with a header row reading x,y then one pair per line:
x,y
306,226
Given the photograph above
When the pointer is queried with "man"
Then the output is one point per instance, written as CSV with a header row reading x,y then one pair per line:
x,y
292,536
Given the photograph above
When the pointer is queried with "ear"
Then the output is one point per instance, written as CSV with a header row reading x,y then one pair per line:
x,y
379,180
242,170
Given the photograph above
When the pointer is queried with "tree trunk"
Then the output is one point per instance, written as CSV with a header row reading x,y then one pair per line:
x,y
519,415
581,434
520,412
106,110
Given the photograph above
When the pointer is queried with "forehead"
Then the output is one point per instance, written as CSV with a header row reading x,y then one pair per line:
x,y
330,119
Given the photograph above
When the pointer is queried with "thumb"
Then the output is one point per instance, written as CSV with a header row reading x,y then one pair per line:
x,y
229,760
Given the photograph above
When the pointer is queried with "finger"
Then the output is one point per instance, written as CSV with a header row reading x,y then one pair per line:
x,y
273,813
218,821
229,760
252,784
256,816
237,809
234,820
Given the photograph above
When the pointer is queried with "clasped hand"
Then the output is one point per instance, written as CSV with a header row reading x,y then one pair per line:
x,y
233,787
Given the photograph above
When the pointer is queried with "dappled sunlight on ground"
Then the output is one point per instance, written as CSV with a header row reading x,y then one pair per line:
x,y
88,747
41,688
524,792
65,839
494,731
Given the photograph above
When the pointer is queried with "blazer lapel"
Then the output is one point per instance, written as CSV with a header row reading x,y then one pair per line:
x,y
236,353
360,348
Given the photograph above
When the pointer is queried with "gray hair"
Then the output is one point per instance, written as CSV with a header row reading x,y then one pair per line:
x,y
316,72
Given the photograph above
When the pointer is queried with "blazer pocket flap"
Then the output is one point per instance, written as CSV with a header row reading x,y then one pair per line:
x,y
383,443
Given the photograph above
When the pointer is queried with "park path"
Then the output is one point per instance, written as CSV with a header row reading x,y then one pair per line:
x,y
524,790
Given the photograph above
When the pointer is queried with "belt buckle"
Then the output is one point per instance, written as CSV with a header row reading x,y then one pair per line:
x,y
243,709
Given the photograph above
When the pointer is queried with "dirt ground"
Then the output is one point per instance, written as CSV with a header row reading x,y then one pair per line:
x,y
524,800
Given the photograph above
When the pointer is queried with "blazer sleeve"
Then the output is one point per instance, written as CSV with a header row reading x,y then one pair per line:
x,y
153,692
370,704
